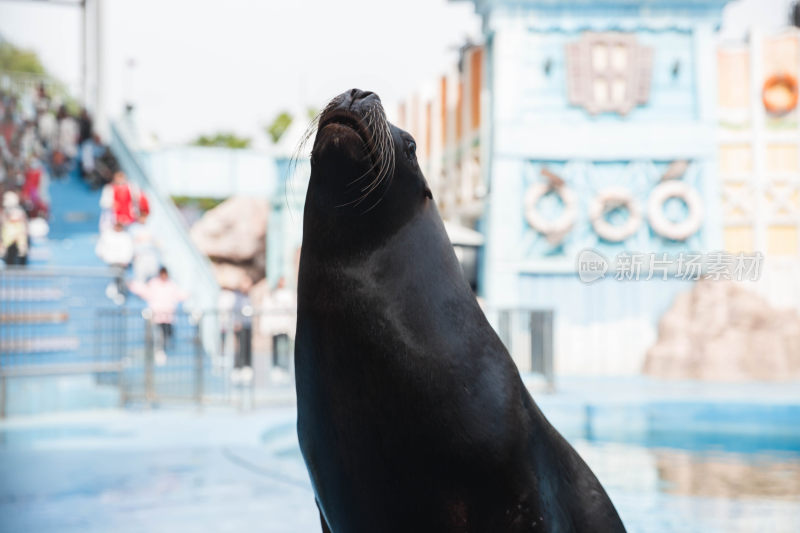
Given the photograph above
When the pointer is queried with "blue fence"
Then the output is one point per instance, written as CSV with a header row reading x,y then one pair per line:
x,y
64,345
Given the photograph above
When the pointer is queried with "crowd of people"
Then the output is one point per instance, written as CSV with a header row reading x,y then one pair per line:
x,y
41,140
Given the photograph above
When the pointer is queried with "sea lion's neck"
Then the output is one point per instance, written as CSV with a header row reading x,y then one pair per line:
x,y
390,263
374,285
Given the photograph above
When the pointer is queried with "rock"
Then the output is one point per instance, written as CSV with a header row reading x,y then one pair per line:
x,y
234,231
233,235
723,332
234,277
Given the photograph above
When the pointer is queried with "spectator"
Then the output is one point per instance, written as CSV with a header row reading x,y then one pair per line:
x,y
105,166
88,153
279,324
145,250
107,208
162,296
67,147
68,133
8,127
243,328
31,190
47,128
128,202
29,142
86,144
42,99
15,237
84,127
115,248
22,173
10,199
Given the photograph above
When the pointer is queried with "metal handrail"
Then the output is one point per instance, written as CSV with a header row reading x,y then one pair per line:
x,y
48,271
65,369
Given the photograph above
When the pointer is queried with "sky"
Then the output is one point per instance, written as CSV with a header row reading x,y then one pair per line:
x,y
201,66
206,65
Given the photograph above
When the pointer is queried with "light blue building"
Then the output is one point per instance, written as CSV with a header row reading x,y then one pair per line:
x,y
600,135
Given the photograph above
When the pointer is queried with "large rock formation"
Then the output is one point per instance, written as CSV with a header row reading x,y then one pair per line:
x,y
233,235
721,331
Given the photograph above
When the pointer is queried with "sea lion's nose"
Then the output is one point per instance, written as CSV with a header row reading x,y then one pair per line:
x,y
356,98
358,94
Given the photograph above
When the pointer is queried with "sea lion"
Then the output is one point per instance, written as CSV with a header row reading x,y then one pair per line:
x,y
412,417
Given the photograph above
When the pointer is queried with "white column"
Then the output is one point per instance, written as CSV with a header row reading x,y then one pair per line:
x,y
705,51
100,113
760,214
83,52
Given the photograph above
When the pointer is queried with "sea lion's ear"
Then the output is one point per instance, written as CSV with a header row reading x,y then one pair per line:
x,y
428,193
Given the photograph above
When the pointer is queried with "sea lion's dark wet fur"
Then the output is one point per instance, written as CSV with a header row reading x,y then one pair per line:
x,y
412,417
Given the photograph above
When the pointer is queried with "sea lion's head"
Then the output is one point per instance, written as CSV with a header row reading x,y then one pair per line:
x,y
365,180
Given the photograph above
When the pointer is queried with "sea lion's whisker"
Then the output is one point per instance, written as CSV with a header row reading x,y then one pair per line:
x,y
382,158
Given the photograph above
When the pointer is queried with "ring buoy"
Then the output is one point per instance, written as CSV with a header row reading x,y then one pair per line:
x,y
676,231
780,94
607,200
553,229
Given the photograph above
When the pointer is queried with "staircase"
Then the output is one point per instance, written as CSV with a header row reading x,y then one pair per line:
x,y
64,344
50,351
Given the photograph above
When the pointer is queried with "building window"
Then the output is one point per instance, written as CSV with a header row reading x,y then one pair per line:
x,y
608,72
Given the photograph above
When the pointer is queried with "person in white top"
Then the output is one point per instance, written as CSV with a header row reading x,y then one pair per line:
x,y
67,134
115,248
145,250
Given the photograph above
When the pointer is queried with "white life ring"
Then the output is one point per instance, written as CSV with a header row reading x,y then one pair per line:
x,y
676,231
553,229
607,200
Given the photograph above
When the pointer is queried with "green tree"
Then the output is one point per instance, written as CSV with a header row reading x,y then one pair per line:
x,y
279,126
222,139
13,59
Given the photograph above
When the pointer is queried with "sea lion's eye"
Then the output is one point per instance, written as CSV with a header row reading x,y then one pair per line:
x,y
411,150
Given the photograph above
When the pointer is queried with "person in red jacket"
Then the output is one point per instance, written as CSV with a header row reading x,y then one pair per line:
x,y
128,201
31,196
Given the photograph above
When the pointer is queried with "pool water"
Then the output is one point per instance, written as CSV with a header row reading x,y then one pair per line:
x,y
221,470
662,489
